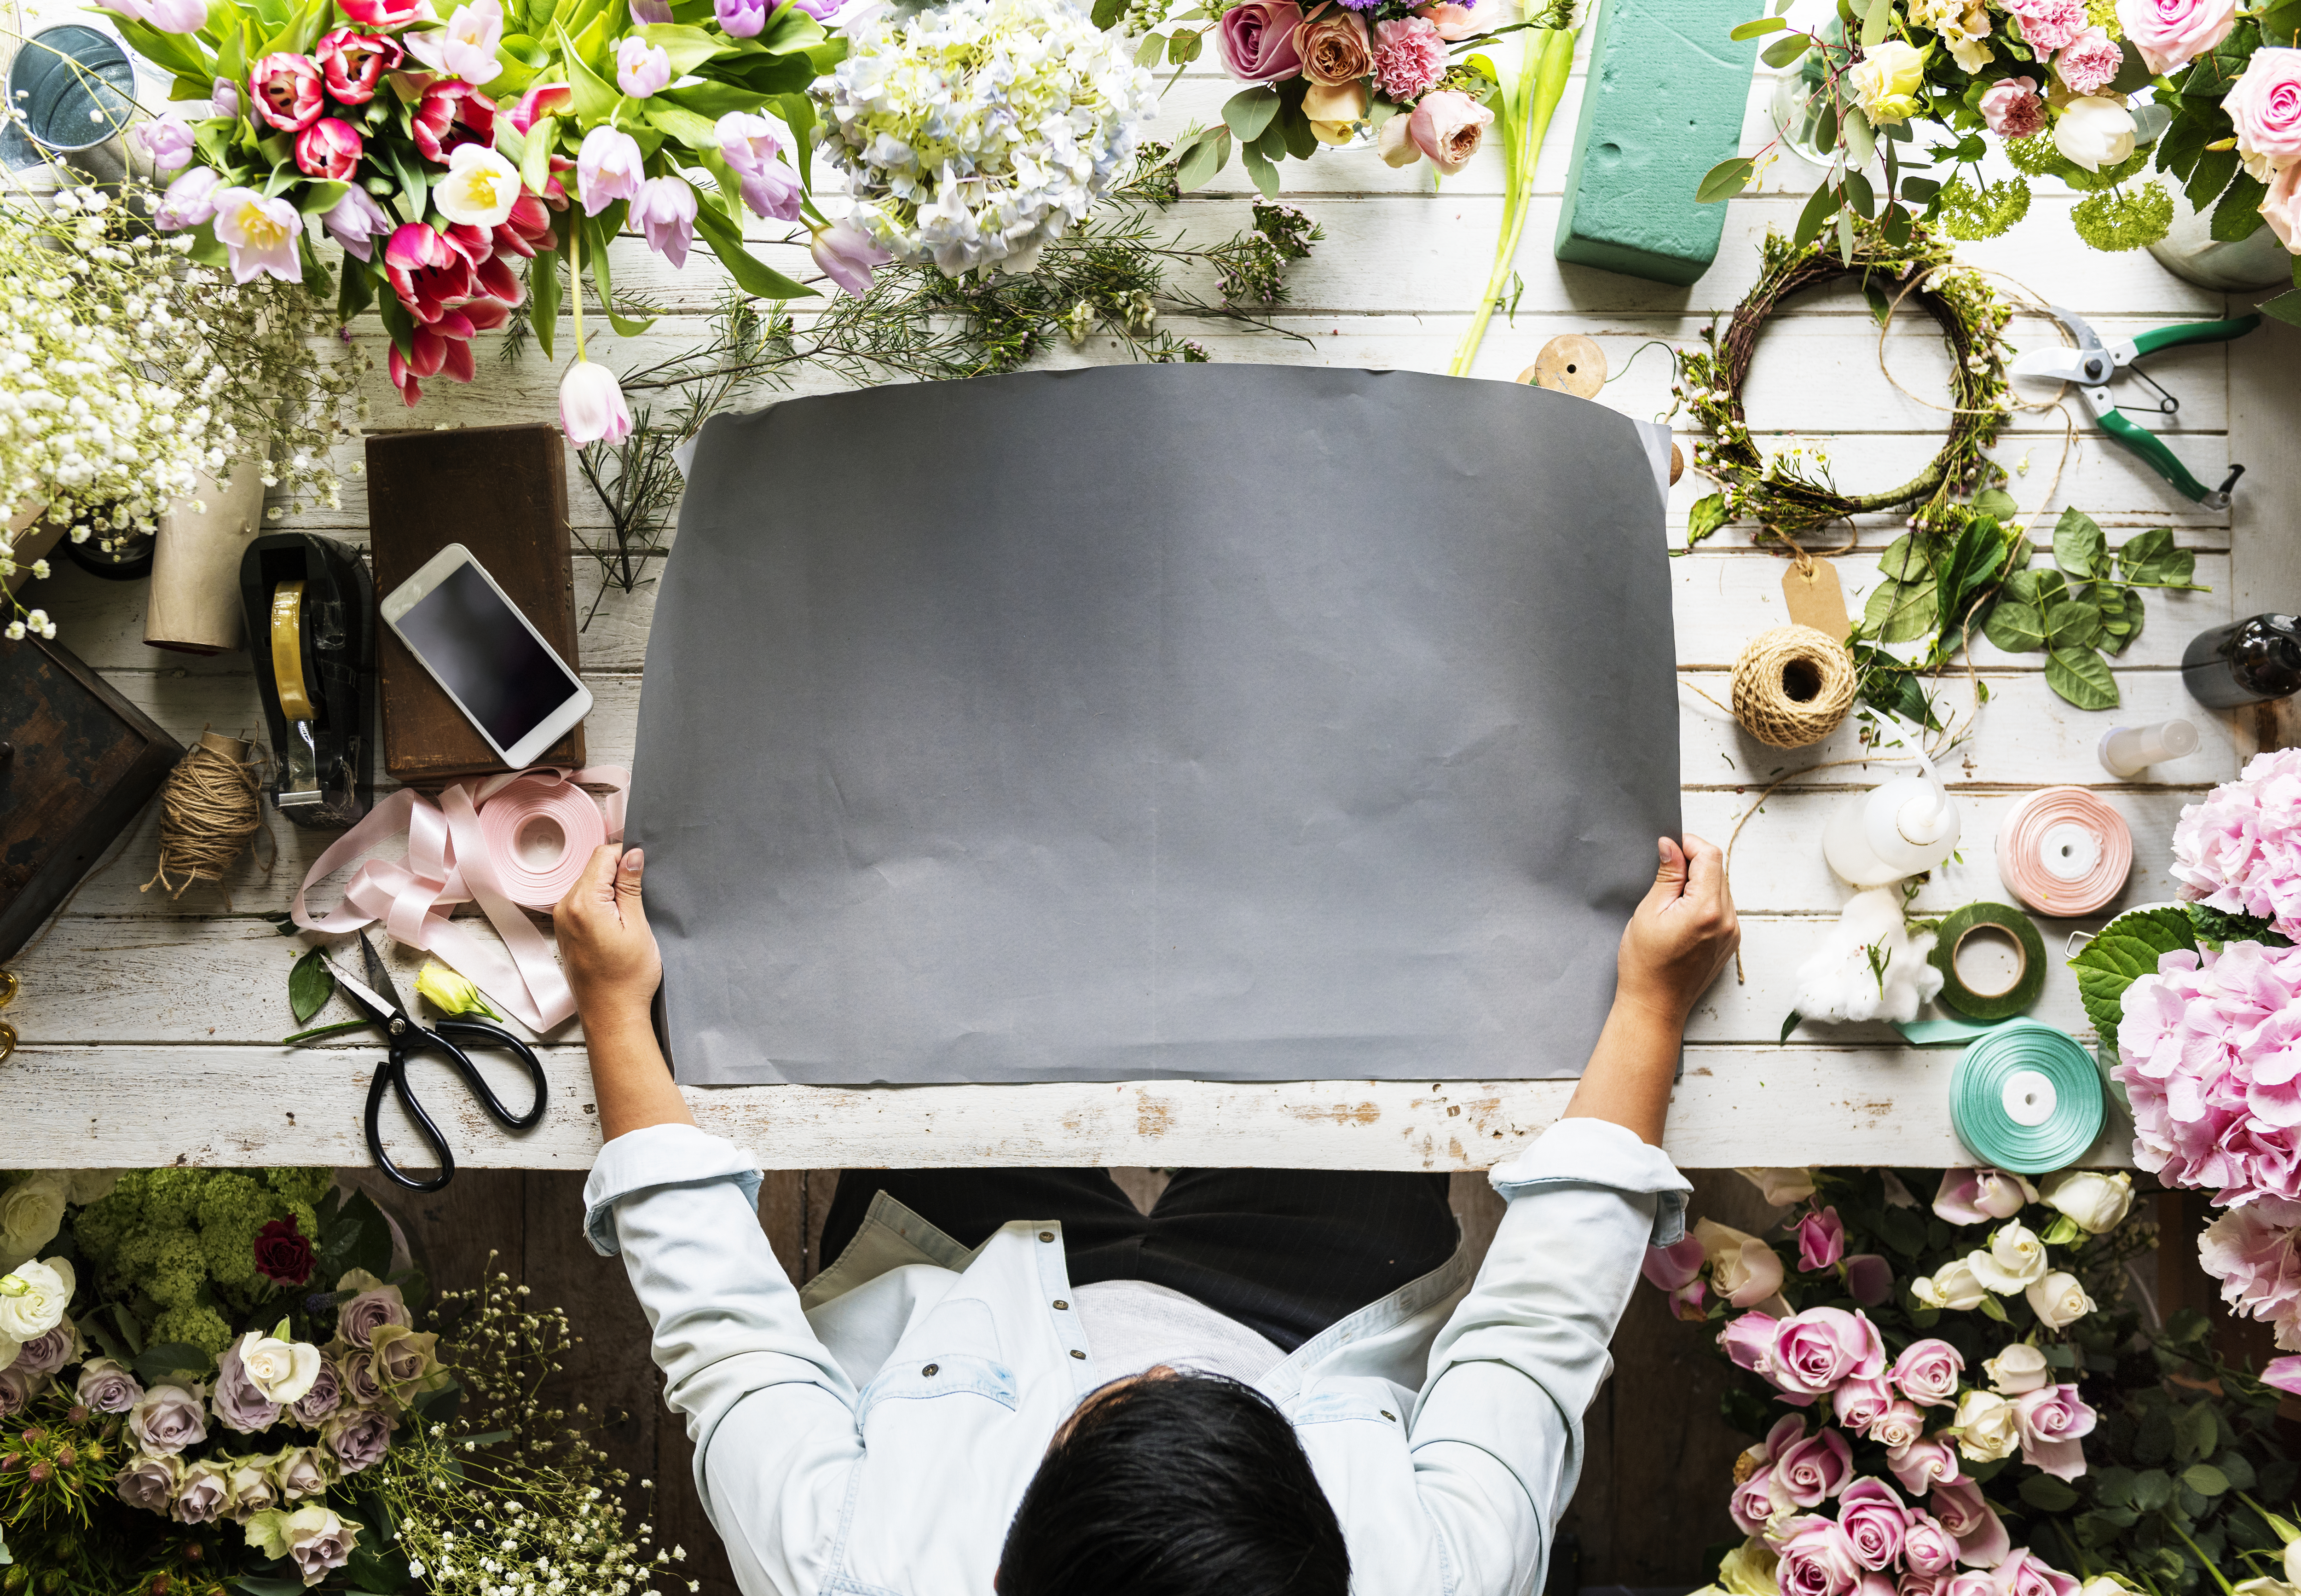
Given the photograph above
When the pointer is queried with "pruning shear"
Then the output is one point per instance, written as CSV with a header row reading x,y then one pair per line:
x,y
380,1000
2093,365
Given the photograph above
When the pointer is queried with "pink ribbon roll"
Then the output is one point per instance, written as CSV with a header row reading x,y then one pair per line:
x,y
2063,851
539,832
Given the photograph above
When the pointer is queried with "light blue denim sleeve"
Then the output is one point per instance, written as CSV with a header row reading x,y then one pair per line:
x,y
770,1411
1497,1431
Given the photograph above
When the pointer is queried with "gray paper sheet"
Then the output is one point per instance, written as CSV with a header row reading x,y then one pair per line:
x,y
1221,721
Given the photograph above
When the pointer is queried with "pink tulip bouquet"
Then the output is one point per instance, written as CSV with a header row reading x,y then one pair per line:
x,y
456,154
1922,1367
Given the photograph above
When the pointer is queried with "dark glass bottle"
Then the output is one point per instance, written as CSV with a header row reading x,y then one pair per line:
x,y
2247,662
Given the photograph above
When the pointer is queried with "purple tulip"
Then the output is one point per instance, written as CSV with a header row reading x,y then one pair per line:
x,y
747,144
665,212
355,221
592,406
189,200
608,168
846,255
741,19
641,68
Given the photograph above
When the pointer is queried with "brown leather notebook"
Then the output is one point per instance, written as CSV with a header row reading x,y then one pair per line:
x,y
502,493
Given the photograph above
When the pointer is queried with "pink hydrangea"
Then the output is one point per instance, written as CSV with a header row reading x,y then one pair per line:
x,y
2088,62
2211,1050
2253,1252
1409,57
2239,850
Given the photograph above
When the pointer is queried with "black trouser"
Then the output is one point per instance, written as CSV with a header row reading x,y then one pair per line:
x,y
1285,1252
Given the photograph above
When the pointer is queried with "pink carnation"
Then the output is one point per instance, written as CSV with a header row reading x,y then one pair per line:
x,y
2088,62
2211,1050
2251,1250
2014,108
2239,850
2048,25
1409,57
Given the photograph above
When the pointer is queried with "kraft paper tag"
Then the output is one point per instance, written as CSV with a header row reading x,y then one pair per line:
x,y
1815,599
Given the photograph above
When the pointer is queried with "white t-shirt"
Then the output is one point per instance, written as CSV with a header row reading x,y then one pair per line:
x,y
1131,1326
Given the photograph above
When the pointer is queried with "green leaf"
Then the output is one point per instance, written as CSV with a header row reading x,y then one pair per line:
x,y
1903,561
2048,1494
1783,51
1259,168
2286,307
2128,948
1819,208
337,1029
2080,549
1248,112
2237,1468
2203,1479
1992,1308
752,274
1860,144
2152,1488
1107,13
310,984
2016,627
1877,22
2122,616
1208,156
697,132
1152,46
1726,180
543,311
1759,27
2074,623
2238,216
2081,676
172,1360
1183,48
2197,1434
2150,556
1900,612
1860,196
1790,1023
1705,516
1997,503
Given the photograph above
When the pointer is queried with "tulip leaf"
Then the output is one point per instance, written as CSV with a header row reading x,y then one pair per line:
x,y
535,161
594,96
688,47
676,121
752,274
543,307
310,984
2128,948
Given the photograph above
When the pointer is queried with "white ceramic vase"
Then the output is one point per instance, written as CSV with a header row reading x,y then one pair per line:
x,y
2190,252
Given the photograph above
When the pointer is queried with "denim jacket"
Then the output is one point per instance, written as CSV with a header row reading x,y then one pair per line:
x,y
875,1434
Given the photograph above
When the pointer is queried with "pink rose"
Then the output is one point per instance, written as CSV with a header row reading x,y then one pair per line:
x,y
2170,34
1871,1514
1861,1403
329,149
2048,25
2265,104
1817,1559
1409,57
1927,1372
1755,1501
1816,1352
2284,1374
1903,1425
1926,1548
2024,1573
2051,1419
1820,1239
2013,109
1970,1582
1670,1268
1980,1535
1913,1583
1446,127
1749,1341
2088,62
287,91
1977,1196
1922,1464
1334,48
2281,206
353,64
1869,1278
1452,21
1256,41
1811,1471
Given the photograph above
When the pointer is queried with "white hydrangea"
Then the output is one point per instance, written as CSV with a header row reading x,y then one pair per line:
x,y
976,132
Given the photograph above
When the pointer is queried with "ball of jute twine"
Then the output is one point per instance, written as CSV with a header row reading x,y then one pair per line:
x,y
208,811
1793,685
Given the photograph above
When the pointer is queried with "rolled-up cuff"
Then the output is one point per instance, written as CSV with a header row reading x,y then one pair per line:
x,y
654,1158
1598,1152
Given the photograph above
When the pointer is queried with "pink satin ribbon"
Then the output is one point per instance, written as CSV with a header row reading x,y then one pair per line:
x,y
448,862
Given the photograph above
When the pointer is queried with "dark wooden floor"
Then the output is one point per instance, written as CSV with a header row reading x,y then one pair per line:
x,y
1655,1436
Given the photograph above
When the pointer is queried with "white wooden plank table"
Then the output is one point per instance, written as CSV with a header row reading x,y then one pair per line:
x,y
149,1026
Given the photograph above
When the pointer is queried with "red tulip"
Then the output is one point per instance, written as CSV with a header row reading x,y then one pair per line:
x,y
382,14
353,64
287,91
452,112
330,149
544,99
455,287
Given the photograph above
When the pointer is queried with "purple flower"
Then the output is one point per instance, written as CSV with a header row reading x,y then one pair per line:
x,y
358,1438
237,1401
665,212
326,1395
651,12
641,68
748,146
166,1419
18,1386
225,98
355,221
204,1494
189,200
107,1386
608,168
259,235
740,19
846,255
592,409
149,1481
166,142
50,1351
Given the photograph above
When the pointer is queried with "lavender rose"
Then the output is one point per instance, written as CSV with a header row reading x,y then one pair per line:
x,y
356,1374
150,1482
49,1351
253,1489
204,1494
18,1387
166,1419
358,1438
317,1542
373,1305
300,1471
326,1395
107,1386
1256,41
239,1403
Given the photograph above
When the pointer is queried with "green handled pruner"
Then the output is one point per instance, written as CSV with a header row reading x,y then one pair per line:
x,y
2093,365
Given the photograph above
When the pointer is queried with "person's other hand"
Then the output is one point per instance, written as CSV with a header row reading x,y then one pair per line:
x,y
605,945
1682,934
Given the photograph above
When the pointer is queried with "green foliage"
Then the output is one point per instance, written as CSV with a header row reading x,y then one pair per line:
x,y
1972,211
2117,219
310,984
2218,927
2128,948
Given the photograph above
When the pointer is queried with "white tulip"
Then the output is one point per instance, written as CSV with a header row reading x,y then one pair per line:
x,y
2093,131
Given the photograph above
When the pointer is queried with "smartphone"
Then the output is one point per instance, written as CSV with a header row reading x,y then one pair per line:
x,y
509,683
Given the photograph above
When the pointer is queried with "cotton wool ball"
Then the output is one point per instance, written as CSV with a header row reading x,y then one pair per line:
x,y
1868,966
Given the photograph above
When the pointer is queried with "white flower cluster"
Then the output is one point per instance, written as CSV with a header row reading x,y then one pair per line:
x,y
977,131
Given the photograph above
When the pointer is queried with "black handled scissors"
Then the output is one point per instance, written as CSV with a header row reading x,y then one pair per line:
x,y
380,1000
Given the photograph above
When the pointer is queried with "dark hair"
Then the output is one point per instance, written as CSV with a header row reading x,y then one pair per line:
x,y
1181,1485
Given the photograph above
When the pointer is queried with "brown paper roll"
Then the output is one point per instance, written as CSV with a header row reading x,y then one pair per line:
x,y
195,603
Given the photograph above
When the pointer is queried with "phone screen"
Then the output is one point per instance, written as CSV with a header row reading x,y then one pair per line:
x,y
478,645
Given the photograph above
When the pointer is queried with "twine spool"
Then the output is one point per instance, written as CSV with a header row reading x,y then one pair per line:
x,y
208,811
1793,685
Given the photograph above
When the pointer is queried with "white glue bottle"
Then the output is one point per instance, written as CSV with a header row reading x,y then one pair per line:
x,y
1894,830
2126,751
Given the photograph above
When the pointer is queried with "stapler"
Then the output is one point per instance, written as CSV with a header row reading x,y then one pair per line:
x,y
310,606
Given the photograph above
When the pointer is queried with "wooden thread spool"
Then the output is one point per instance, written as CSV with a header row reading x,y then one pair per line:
x,y
1793,685
1569,362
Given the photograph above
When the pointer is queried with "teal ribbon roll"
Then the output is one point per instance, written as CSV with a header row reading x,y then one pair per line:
x,y
2026,1098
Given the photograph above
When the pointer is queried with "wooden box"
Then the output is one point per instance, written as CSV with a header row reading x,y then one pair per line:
x,y
77,763
502,493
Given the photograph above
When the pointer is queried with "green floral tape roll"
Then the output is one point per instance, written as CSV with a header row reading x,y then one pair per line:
x,y
2029,979
2026,1098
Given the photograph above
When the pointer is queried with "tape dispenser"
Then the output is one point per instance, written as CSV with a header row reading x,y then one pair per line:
x,y
310,626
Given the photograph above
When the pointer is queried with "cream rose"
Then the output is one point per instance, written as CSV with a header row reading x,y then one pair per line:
x,y
2059,1301
283,1371
1780,1187
32,1212
1988,1426
33,1299
1335,49
1748,1570
2093,131
1334,109
1887,81
1742,1269
1951,1286
2020,1368
2015,1259
2096,1202
1397,149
